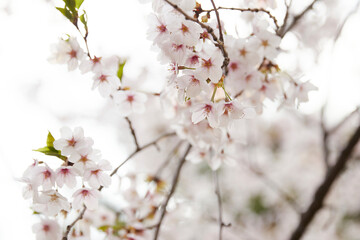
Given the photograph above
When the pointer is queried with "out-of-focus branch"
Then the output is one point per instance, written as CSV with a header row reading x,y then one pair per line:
x,y
274,186
283,30
325,135
172,190
133,133
340,29
254,10
170,156
340,124
286,18
325,186
219,201
210,30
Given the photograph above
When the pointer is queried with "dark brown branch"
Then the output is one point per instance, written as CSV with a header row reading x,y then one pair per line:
x,y
133,133
296,19
210,30
254,10
68,228
325,186
219,201
172,190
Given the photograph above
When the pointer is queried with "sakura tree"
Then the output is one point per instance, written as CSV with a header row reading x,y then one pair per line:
x,y
209,163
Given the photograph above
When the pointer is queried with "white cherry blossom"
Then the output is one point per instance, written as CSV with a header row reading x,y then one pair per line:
x,y
96,176
72,141
47,230
129,102
88,197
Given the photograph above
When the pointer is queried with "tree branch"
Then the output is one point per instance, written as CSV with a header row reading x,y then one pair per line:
x,y
69,227
218,20
325,186
172,190
133,133
296,20
254,10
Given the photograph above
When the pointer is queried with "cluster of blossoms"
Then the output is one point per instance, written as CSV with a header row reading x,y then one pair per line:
x,y
207,94
83,169
105,75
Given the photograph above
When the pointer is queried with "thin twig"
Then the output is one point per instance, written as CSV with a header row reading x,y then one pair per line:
x,y
325,186
68,228
210,30
168,159
221,37
133,132
219,201
172,190
296,19
140,149
286,18
254,10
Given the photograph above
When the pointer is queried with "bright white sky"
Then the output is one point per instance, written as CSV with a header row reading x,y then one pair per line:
x,y
36,96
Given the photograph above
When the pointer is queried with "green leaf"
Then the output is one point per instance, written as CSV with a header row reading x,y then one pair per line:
x,y
83,19
50,140
120,71
66,13
71,4
78,3
51,151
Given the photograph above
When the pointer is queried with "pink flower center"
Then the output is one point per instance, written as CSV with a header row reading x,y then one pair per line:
x,y
162,28
184,28
47,174
194,59
233,66
263,88
46,228
130,98
207,63
71,142
95,172
72,53
177,47
103,78
64,171
96,60
207,108
84,192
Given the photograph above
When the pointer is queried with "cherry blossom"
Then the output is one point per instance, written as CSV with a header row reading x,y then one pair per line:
x,y
88,197
95,175
66,175
129,102
205,110
51,203
67,51
72,141
47,229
